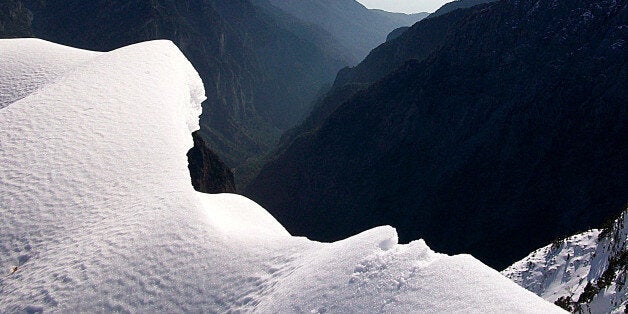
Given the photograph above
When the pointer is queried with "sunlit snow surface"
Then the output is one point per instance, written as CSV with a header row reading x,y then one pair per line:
x,y
98,212
565,268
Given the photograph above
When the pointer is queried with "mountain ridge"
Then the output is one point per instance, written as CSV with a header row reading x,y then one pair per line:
x,y
586,272
485,138
355,27
456,5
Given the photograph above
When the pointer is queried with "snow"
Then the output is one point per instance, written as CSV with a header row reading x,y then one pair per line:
x,y
566,267
563,270
98,212
26,72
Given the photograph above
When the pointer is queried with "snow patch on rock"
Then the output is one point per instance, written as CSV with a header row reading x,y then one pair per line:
x,y
586,271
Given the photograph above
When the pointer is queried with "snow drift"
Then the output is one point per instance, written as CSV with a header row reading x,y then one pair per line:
x,y
98,212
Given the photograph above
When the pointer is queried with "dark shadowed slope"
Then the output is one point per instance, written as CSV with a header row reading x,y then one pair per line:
x,y
355,27
209,174
457,4
15,20
424,38
510,133
396,33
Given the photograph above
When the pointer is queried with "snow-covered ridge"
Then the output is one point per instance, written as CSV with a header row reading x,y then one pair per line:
x,y
23,73
97,212
587,271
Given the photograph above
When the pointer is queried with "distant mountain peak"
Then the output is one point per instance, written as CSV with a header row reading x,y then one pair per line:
x,y
355,27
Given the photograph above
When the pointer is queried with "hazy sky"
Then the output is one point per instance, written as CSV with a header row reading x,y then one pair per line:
x,y
406,6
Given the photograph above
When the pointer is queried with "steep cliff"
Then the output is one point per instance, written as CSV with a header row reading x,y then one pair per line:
x,y
209,173
509,133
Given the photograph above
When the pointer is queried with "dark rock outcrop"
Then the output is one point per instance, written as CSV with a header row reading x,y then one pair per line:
x,y
209,174
15,20
499,133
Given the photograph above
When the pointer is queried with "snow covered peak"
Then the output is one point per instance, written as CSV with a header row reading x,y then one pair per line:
x,y
585,272
98,212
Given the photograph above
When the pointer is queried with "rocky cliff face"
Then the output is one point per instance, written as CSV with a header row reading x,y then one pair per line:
x,y
513,122
209,174
584,273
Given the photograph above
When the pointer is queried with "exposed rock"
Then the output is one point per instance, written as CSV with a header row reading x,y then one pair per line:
x,y
15,20
584,273
209,174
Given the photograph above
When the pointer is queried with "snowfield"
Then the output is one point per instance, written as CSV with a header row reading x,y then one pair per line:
x,y
28,65
98,212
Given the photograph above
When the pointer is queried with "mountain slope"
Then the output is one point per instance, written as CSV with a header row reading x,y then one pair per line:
x,y
514,123
402,18
396,33
456,5
446,8
97,213
355,27
586,272
261,71
426,36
